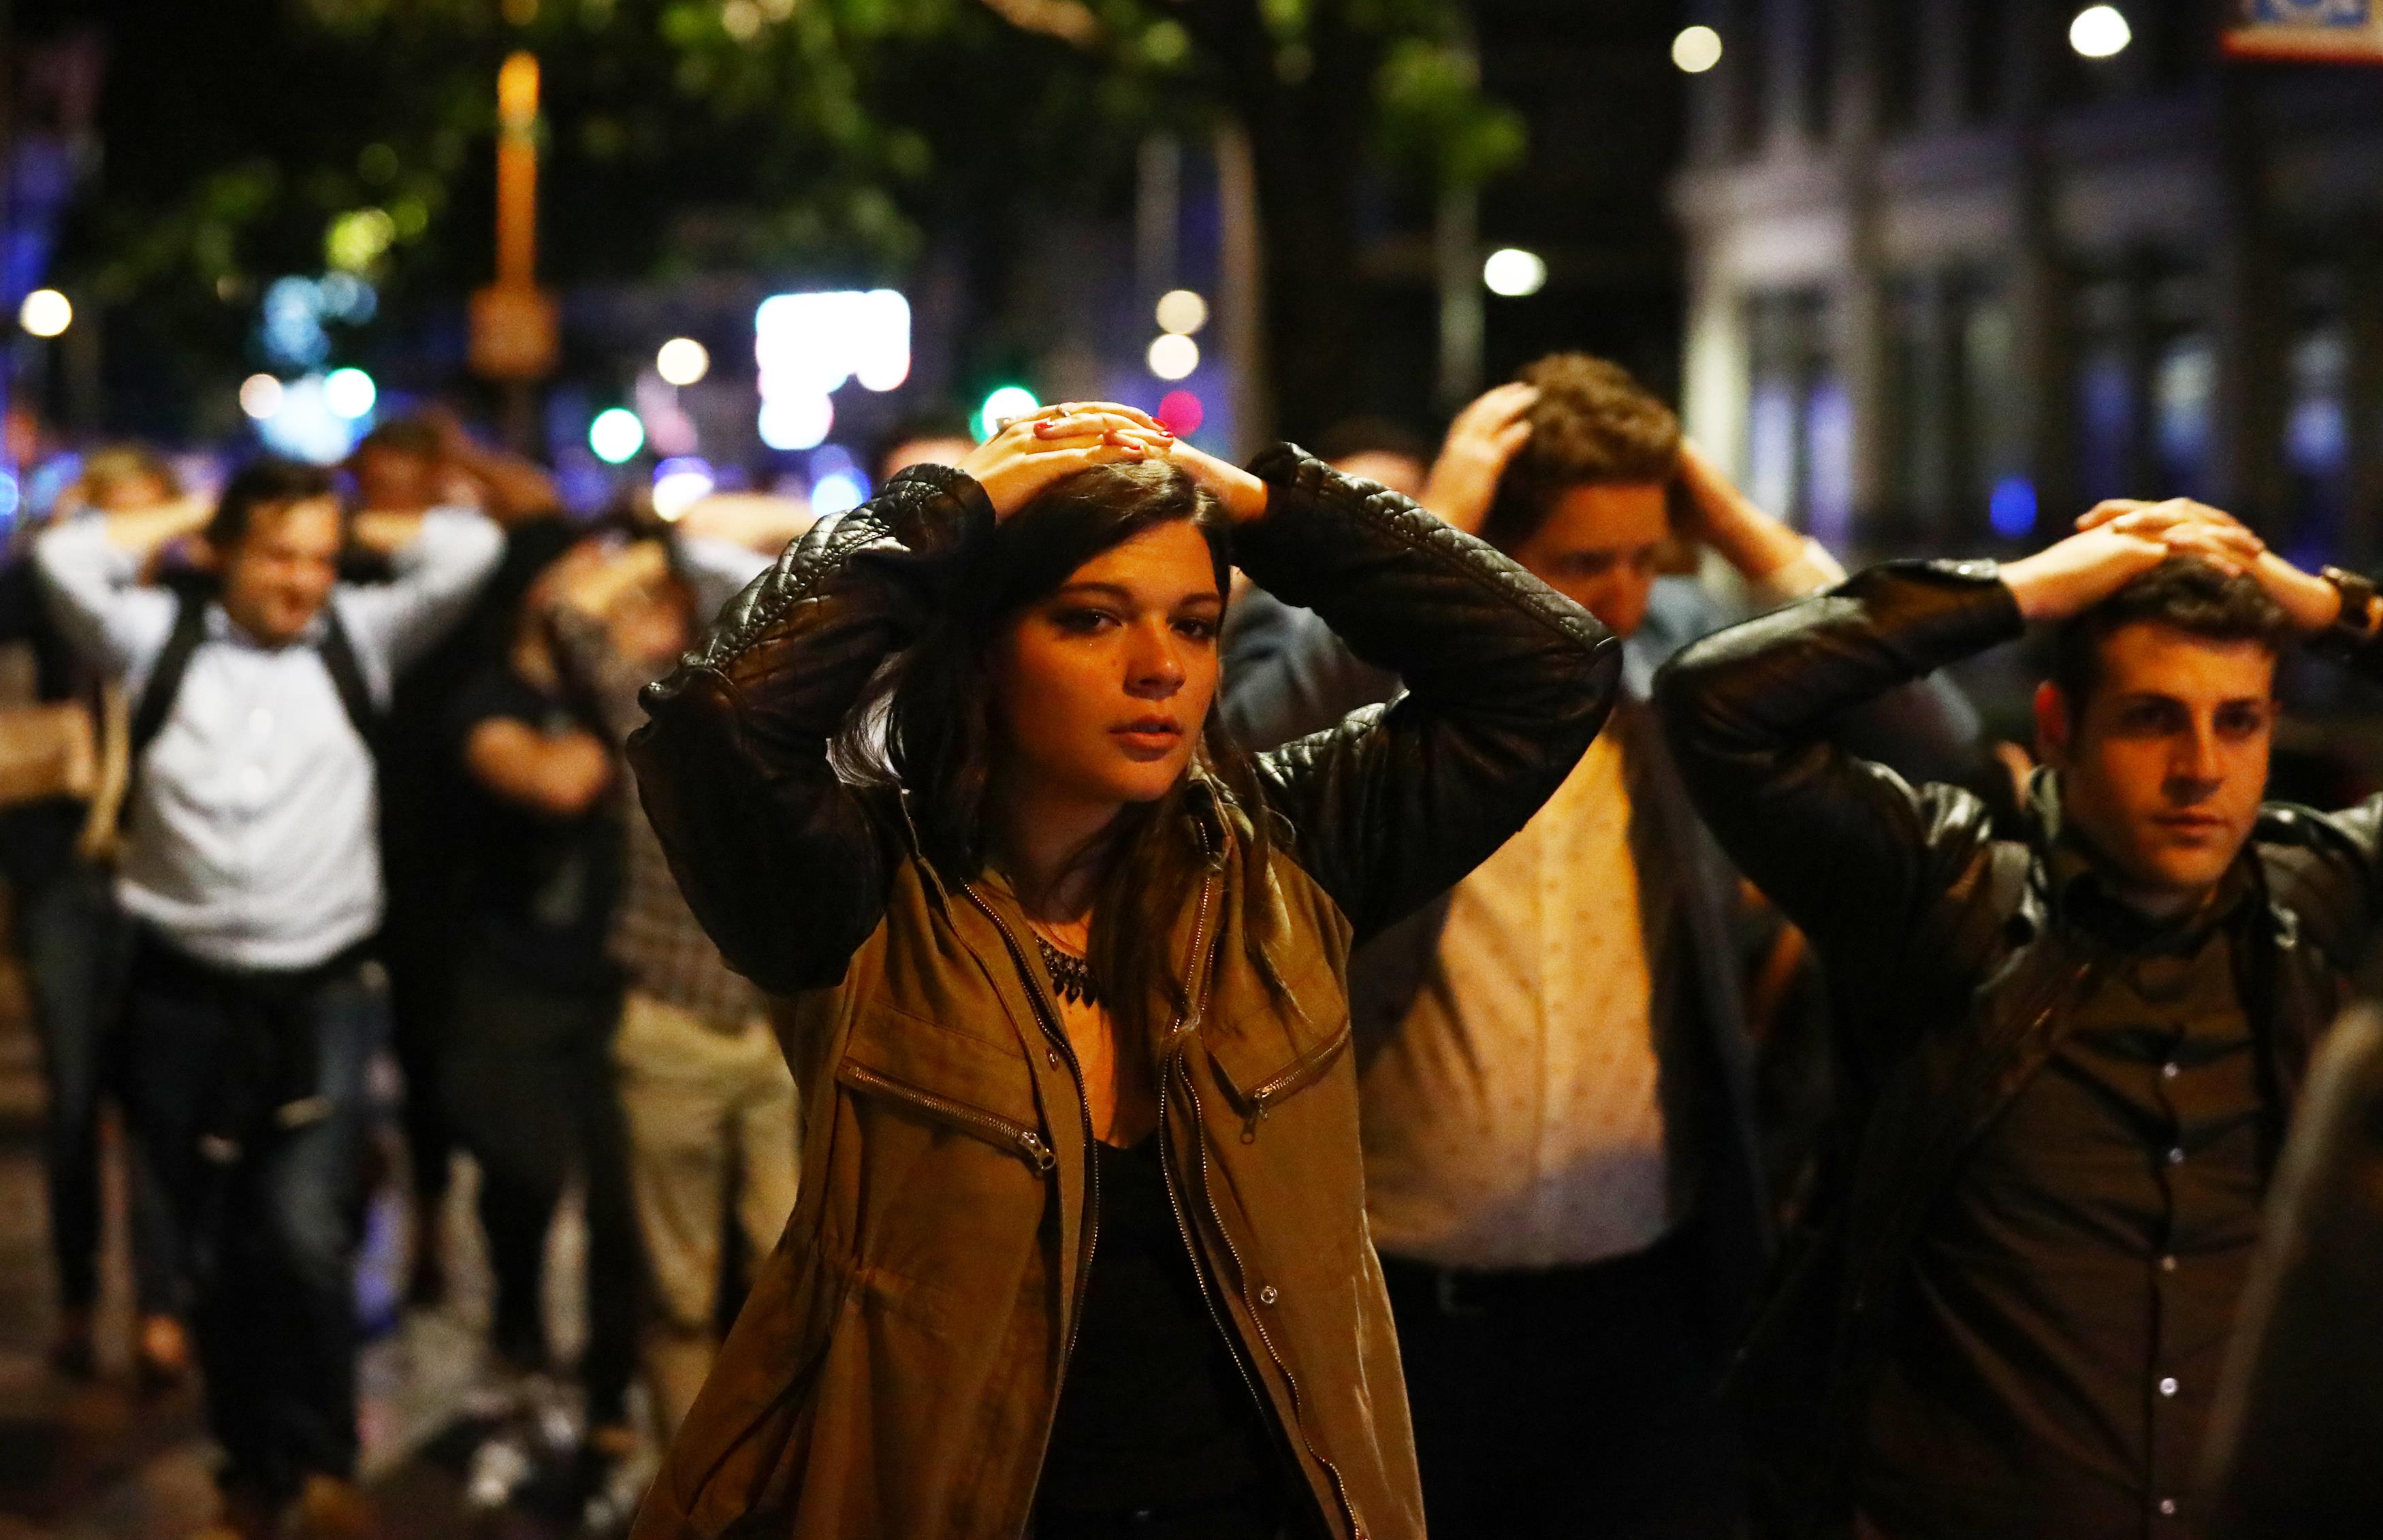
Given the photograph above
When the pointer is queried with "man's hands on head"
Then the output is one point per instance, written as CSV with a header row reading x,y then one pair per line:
x,y
1718,514
2119,541
1027,456
2196,529
1481,443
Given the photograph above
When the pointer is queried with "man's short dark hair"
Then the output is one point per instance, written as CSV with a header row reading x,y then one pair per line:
x,y
2184,594
417,437
1593,426
271,482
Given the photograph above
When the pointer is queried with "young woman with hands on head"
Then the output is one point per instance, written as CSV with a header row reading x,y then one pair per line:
x,y
1080,1242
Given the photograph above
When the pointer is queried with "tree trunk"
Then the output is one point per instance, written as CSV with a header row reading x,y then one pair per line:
x,y
1308,129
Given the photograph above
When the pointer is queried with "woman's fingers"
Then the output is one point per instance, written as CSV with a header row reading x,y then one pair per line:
x,y
1080,423
1022,478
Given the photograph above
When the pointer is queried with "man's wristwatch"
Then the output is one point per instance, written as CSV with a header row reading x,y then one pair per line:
x,y
2356,626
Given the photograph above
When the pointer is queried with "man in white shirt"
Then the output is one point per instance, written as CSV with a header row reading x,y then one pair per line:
x,y
252,873
1562,1163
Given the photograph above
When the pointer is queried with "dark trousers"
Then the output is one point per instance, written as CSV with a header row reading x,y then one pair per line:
x,y
1578,1402
74,941
416,948
531,1095
264,1219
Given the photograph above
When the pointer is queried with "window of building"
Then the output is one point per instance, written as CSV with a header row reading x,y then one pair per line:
x,y
2106,422
1799,417
1958,433
1992,449
2184,398
2316,442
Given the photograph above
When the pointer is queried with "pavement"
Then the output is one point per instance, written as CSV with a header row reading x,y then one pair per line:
x,y
105,1460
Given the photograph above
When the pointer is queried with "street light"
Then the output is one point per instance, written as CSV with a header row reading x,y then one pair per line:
x,y
1003,407
616,435
799,421
1181,312
350,392
2100,33
45,312
682,360
1174,357
1696,50
679,485
1513,273
260,396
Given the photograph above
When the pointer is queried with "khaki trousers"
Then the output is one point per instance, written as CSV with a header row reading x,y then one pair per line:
x,y
710,1108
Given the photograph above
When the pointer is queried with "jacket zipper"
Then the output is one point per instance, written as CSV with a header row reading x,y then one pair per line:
x,y
1017,1136
1183,1027
1297,1077
1047,1015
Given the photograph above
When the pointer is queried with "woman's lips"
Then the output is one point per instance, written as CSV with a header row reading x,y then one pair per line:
x,y
1152,738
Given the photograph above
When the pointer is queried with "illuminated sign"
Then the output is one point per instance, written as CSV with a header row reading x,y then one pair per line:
x,y
2343,31
810,345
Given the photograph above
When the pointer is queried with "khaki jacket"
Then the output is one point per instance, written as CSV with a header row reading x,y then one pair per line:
x,y
896,1369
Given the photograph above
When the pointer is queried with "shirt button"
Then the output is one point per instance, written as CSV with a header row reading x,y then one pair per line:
x,y
2170,1071
2167,1264
2176,1156
2167,1507
1267,1296
2167,1387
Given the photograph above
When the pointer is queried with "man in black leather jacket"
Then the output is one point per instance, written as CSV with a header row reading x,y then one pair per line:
x,y
2074,1055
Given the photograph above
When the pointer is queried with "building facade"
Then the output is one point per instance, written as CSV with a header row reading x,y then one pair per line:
x,y
1950,282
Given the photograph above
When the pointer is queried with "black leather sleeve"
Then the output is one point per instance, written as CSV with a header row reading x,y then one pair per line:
x,y
780,859
1507,683
1847,848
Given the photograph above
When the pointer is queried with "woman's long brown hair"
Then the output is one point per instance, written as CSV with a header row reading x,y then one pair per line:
x,y
927,724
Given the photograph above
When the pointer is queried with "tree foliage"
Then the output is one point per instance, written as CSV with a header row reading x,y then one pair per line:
x,y
250,138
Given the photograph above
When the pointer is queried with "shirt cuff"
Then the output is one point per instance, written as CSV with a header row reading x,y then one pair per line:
x,y
1813,571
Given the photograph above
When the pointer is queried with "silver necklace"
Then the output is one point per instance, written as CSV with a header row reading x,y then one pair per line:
x,y
1071,977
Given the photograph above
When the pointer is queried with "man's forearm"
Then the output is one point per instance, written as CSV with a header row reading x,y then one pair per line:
x,y
1780,680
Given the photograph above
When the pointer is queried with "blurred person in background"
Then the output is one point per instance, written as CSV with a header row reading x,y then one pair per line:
x,y
402,470
2078,1049
528,1080
706,1091
934,437
1377,450
1564,1167
1314,669
251,873
55,851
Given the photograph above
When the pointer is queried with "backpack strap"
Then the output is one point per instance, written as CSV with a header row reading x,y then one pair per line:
x,y
156,704
157,701
348,678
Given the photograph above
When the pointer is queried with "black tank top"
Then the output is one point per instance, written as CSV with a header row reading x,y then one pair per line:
x,y
1154,1410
